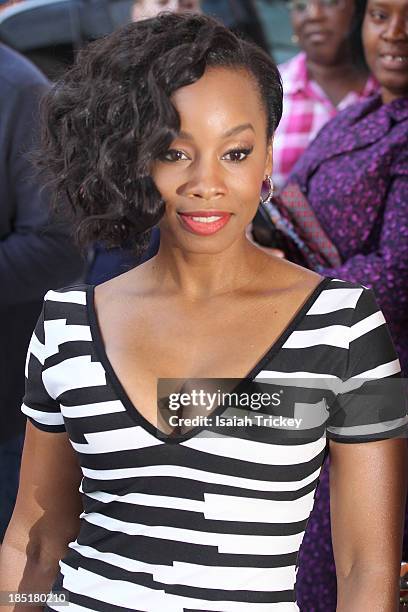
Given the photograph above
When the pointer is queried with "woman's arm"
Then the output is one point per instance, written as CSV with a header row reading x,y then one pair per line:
x,y
368,483
45,518
385,270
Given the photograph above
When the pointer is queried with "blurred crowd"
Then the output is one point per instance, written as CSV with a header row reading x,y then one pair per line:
x,y
340,154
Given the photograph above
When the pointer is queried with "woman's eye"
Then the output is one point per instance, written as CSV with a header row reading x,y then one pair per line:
x,y
378,15
173,155
237,155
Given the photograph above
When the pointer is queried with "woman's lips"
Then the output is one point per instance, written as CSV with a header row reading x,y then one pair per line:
x,y
317,37
394,61
204,223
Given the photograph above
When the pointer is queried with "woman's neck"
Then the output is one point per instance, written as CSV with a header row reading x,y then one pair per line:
x,y
388,96
200,276
337,80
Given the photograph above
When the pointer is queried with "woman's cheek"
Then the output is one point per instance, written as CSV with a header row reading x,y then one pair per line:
x,y
248,181
165,180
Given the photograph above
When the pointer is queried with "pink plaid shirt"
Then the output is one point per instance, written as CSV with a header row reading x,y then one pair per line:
x,y
306,108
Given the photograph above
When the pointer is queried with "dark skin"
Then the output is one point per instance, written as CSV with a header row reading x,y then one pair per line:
x,y
187,313
385,34
323,35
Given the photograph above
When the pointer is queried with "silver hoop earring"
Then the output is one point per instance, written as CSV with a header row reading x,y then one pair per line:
x,y
270,189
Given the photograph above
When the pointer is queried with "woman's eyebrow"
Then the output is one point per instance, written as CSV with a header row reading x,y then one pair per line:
x,y
237,129
379,4
231,132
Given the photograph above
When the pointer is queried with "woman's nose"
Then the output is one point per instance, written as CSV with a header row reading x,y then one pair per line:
x,y
206,182
397,29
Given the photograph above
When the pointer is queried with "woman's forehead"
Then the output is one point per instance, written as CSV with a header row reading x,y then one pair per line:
x,y
397,4
221,99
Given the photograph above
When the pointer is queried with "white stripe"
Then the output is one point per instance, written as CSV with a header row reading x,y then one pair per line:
x,y
72,607
224,542
46,418
200,576
255,452
272,374
370,429
308,380
176,471
136,597
331,300
72,297
382,371
37,349
366,325
229,578
57,332
245,509
130,438
74,373
303,380
332,335
96,409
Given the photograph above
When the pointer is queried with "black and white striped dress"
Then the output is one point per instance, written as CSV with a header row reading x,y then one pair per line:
x,y
211,520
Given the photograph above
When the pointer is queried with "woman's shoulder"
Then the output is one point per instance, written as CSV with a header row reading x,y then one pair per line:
x,y
351,306
346,301
321,293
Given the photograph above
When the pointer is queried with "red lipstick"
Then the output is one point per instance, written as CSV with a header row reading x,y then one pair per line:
x,y
204,222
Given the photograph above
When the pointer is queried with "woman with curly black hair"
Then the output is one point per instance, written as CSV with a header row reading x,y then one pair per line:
x,y
134,494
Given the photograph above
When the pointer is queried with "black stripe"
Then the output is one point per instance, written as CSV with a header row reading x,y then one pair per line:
x,y
188,489
165,552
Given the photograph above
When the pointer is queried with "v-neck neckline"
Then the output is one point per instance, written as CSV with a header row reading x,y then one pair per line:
x,y
132,409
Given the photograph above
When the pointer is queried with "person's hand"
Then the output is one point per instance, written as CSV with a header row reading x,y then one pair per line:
x,y
268,250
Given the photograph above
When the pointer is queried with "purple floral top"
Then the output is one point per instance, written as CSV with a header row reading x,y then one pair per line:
x,y
355,176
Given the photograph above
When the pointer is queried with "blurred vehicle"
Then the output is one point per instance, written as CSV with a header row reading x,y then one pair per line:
x,y
275,18
49,31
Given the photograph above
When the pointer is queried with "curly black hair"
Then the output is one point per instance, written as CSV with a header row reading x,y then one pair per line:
x,y
110,116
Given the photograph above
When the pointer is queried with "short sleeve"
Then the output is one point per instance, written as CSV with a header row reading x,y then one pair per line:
x,y
371,403
42,410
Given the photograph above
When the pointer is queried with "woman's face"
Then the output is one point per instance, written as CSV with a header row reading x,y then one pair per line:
x,y
144,9
385,39
323,28
211,177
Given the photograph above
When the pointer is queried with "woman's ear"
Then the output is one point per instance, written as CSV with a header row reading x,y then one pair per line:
x,y
269,159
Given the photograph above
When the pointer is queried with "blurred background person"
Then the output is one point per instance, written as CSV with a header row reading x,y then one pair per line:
x,y
328,74
35,255
143,9
354,176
